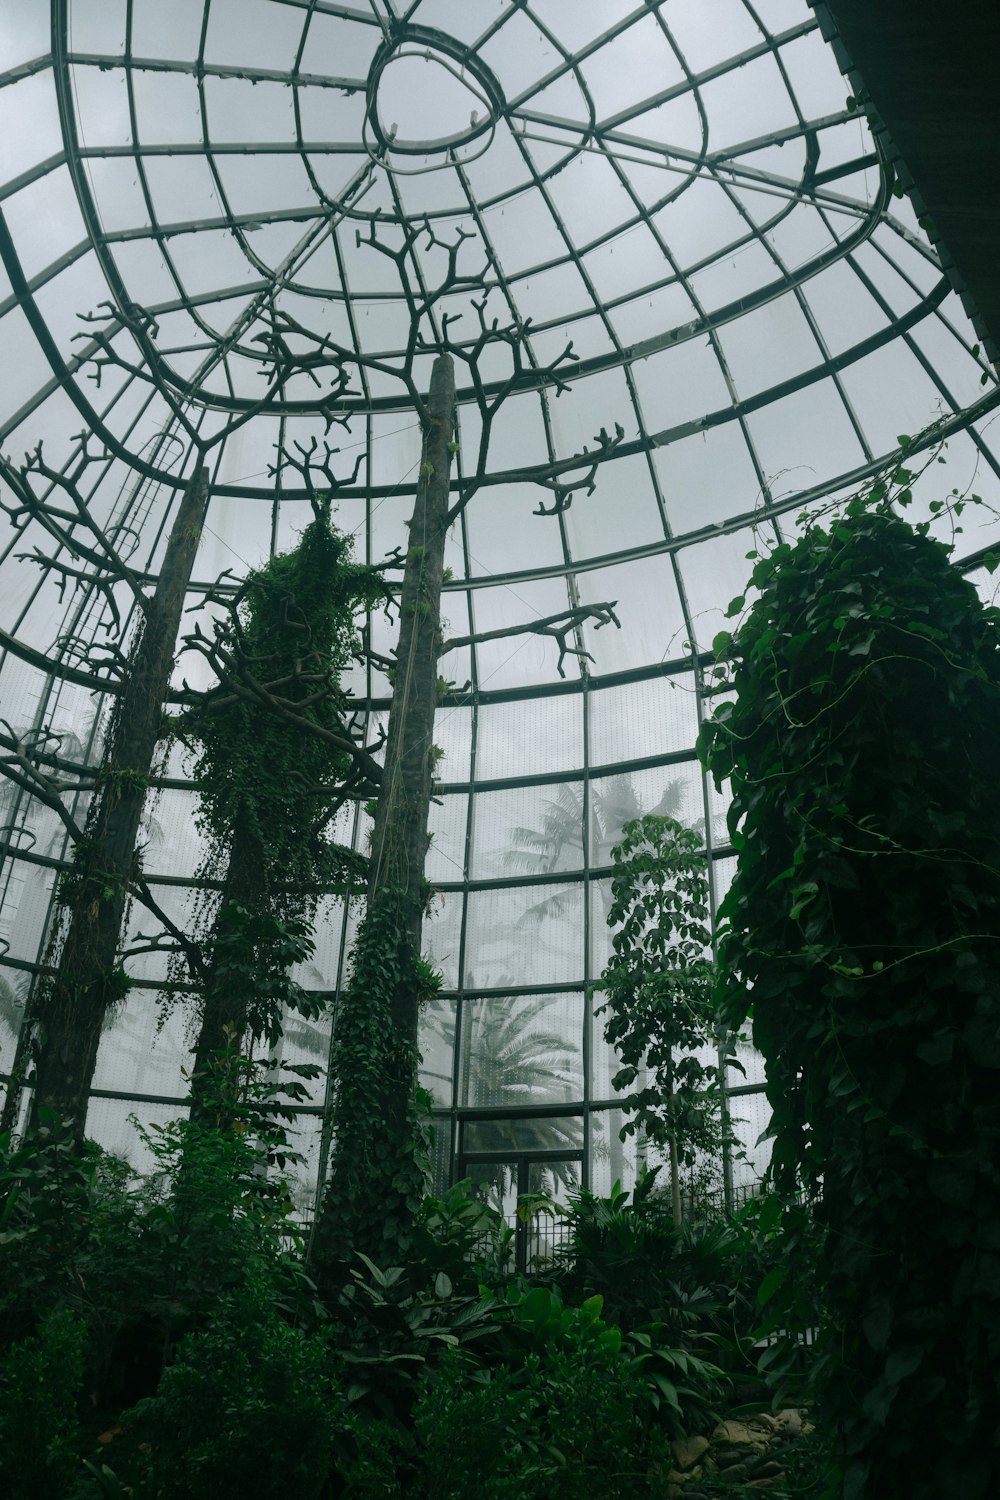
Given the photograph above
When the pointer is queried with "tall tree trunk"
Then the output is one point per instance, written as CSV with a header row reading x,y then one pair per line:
x,y
73,1004
376,1180
399,838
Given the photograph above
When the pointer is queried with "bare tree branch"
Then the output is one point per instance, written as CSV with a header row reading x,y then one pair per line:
x,y
73,527
191,949
557,626
302,458
564,492
153,369
18,766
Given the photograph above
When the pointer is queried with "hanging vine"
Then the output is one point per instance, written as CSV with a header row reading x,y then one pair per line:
x,y
273,768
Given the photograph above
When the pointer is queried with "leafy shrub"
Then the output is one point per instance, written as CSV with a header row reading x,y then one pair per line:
x,y
41,1379
372,1459
680,1387
145,1260
46,1194
659,982
465,1238
697,1280
210,1214
560,1422
620,1251
478,1438
391,1337
244,1412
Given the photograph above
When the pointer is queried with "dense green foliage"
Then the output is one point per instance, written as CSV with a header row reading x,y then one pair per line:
x,y
40,1431
249,956
659,984
697,1281
243,1412
273,764
862,928
187,1331
261,770
573,1418
143,1260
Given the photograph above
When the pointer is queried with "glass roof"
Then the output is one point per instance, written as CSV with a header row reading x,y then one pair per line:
x,y
216,220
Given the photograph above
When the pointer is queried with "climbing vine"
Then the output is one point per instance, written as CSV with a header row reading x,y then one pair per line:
x,y
862,932
374,1209
381,1162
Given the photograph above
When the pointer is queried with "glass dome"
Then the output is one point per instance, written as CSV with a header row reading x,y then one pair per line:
x,y
684,302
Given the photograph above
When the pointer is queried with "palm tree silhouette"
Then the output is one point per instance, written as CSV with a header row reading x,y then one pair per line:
x,y
557,843
510,1057
13,994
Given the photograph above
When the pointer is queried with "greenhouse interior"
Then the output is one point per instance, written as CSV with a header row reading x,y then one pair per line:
x,y
499,856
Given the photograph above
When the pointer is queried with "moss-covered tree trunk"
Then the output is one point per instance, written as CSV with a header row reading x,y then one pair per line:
x,y
399,838
376,1178
74,1002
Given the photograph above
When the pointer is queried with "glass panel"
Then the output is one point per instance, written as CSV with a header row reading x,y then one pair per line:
x,y
522,1050
612,1159
541,1133
437,1050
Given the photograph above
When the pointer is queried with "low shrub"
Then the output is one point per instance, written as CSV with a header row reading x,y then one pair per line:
x,y
555,1424
41,1379
676,1387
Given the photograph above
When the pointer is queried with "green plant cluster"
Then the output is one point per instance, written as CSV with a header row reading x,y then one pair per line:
x,y
571,1419
257,768
250,956
464,1237
509,1394
108,1273
175,1315
679,1385
697,1281
393,1330
863,932
41,1377
245,1410
84,880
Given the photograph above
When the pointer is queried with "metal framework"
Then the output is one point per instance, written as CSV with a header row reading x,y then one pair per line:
x,y
691,202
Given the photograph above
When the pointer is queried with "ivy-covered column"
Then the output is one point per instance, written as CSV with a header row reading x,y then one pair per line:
x,y
88,980
862,931
377,1175
228,984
